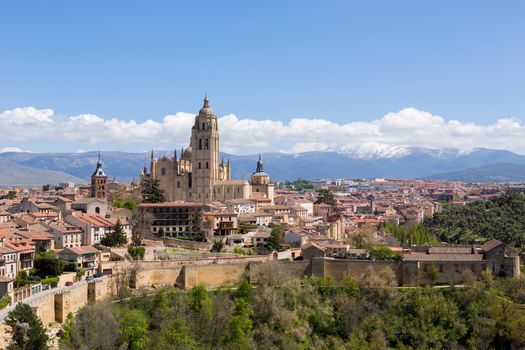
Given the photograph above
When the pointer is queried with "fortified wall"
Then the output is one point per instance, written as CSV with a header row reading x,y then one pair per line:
x,y
55,306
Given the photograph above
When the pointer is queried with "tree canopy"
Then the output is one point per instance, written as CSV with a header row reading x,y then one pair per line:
x,y
501,218
47,264
151,191
326,197
276,237
117,238
312,313
26,329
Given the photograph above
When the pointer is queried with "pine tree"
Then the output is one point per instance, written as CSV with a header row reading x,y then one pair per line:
x,y
27,330
276,237
115,238
151,191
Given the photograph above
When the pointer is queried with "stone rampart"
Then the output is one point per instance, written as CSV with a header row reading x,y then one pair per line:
x,y
338,269
217,272
215,275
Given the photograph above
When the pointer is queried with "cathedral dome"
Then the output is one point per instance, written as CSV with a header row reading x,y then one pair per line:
x,y
206,109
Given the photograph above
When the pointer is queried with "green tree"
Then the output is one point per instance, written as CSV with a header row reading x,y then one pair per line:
x,y
325,196
177,336
134,330
383,252
199,299
117,238
151,191
276,237
26,329
47,264
11,195
197,227
240,326
137,253
21,279
128,204
244,291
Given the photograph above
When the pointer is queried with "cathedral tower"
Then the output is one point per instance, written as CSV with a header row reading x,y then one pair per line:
x,y
204,154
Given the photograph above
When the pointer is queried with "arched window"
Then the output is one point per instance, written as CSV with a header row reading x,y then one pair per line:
x,y
200,143
206,146
97,210
199,165
203,126
207,167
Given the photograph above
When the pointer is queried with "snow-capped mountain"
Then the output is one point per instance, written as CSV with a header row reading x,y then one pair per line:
x,y
349,161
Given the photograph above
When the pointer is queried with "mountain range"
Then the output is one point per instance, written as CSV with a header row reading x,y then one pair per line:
x,y
476,165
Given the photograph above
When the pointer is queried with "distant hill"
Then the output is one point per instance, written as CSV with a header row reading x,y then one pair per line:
x,y
13,174
402,162
495,172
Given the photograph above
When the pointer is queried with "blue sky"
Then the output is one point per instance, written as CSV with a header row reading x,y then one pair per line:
x,y
340,61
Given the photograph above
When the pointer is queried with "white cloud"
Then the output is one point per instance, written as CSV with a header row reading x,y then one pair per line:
x,y
387,135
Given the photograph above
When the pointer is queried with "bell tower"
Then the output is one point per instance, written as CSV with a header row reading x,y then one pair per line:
x,y
99,182
204,154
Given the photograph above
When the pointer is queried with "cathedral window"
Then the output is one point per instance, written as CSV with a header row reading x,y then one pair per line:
x,y
206,146
199,165
163,171
203,126
207,167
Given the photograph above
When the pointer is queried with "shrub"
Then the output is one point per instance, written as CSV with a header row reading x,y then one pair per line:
x,y
4,301
137,253
50,280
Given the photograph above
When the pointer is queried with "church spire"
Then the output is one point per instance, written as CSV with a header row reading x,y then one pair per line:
x,y
206,102
259,165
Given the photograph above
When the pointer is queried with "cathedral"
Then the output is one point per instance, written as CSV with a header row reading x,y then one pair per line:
x,y
198,175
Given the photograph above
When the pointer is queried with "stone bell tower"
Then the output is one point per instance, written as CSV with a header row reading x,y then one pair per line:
x,y
99,182
204,154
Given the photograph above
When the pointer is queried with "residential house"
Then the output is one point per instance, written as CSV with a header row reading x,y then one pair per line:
x,y
85,257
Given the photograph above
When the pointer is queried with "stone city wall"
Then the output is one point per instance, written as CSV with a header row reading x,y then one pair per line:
x,y
184,274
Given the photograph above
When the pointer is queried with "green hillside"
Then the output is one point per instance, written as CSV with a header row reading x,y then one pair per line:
x,y
501,218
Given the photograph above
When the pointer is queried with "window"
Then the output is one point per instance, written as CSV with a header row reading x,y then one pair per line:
x,y
203,126
200,143
456,266
207,167
238,190
199,165
163,171
440,267
178,184
206,146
